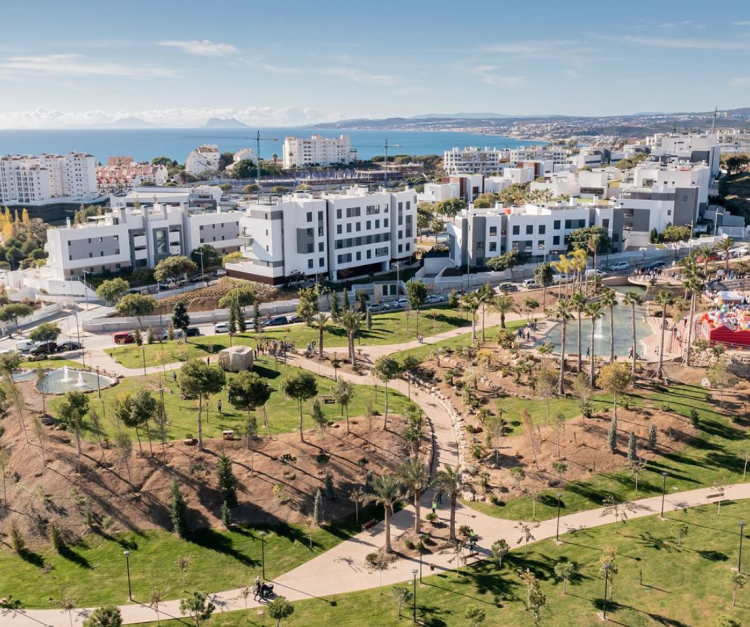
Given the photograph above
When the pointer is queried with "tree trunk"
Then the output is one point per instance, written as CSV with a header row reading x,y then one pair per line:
x,y
452,522
592,356
580,356
200,422
78,443
611,334
417,510
388,548
138,437
385,417
561,382
299,409
690,329
502,319
346,410
483,322
634,339
320,342
660,370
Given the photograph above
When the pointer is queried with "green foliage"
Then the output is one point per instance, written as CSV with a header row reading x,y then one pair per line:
x,y
247,391
651,442
417,293
45,332
174,267
227,480
14,311
112,290
211,258
226,515
279,609
475,615
508,260
632,451
105,616
197,607
56,537
451,207
180,316
329,491
612,435
135,306
178,510
579,239
309,304
17,539
318,511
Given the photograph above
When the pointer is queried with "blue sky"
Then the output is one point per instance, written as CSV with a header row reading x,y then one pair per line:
x,y
290,62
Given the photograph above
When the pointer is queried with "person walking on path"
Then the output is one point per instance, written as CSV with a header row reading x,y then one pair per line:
x,y
434,506
218,405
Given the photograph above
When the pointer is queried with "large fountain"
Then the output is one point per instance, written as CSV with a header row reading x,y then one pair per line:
x,y
64,380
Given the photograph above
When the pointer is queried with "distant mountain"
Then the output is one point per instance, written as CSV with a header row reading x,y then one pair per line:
x,y
130,122
224,123
462,116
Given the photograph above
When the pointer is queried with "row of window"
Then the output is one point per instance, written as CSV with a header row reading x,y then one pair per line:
x,y
358,226
350,242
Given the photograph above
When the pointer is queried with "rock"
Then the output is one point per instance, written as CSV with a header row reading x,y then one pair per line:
x,y
236,358
468,496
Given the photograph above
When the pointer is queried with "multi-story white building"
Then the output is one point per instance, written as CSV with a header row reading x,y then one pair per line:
x,y
121,173
40,179
473,160
317,150
341,235
135,235
693,148
203,159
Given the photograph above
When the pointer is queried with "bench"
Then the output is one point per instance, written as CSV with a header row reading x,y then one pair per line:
x,y
717,495
369,524
328,400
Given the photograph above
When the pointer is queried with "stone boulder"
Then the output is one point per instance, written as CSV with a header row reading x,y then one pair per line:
x,y
236,358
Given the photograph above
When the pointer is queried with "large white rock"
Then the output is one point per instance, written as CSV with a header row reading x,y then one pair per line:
x,y
236,358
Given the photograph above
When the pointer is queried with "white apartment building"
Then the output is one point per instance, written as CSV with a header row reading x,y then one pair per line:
x,y
121,173
693,148
135,235
317,150
341,235
555,154
473,161
437,192
203,159
40,179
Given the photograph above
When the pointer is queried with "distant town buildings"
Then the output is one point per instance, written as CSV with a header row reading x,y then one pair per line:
x,y
203,159
121,173
41,179
317,150
473,160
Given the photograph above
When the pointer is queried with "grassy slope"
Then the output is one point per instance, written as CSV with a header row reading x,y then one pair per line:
x,y
389,328
685,586
736,190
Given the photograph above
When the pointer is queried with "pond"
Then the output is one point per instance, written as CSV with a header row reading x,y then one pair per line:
x,y
64,380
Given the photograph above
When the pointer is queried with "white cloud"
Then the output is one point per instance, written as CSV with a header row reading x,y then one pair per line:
x,y
75,65
682,44
488,75
173,117
743,23
358,76
740,82
204,48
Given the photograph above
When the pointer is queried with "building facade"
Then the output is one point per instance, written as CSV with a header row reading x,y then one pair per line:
x,y
473,160
40,179
122,173
317,150
203,159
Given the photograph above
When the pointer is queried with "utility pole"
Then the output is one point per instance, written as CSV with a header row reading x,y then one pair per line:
x,y
385,162
259,139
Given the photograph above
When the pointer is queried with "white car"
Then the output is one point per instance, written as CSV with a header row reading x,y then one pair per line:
x,y
594,272
221,327
530,284
24,345
617,267
435,298
401,302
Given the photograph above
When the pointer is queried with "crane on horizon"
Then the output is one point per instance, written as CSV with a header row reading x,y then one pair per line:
x,y
257,139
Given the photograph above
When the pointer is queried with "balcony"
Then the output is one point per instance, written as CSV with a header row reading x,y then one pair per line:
x,y
140,254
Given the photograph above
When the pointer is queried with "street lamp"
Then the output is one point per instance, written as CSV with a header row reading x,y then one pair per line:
x,y
263,554
143,352
414,595
663,492
557,531
716,220
606,584
98,387
742,533
198,251
127,565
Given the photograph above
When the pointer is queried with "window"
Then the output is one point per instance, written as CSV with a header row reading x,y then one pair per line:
x,y
320,216
338,229
358,226
556,225
400,235
377,224
385,222
516,230
309,264
605,222
529,229
320,231
348,228
359,255
540,245
321,262
369,254
581,224
480,246
400,248
493,231
338,214
367,225
568,224
542,229
310,248
309,216
310,232
320,247
493,247
556,240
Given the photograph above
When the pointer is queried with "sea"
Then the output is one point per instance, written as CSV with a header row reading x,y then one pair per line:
x,y
145,144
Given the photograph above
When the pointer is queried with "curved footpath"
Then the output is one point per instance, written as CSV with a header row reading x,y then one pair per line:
x,y
342,569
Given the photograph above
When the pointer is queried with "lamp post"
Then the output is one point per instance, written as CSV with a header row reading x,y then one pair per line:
x,y
200,252
742,533
557,531
414,596
127,566
143,353
606,589
98,386
716,220
663,492
263,554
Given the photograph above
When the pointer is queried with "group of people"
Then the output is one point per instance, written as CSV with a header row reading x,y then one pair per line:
x,y
274,347
524,333
647,273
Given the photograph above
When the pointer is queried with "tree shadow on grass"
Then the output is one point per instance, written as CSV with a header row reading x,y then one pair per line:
x,y
70,555
265,372
31,557
713,556
214,541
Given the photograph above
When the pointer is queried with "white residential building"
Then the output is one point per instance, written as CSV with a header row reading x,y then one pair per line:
x,y
203,159
40,179
473,161
121,173
341,235
694,148
437,192
317,150
135,235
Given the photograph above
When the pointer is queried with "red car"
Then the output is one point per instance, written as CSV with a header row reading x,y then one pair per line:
x,y
124,338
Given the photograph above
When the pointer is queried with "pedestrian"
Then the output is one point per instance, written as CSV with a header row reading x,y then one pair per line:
x,y
208,361
588,352
218,405
440,496
434,506
174,376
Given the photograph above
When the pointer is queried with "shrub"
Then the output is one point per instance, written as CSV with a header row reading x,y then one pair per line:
x,y
431,518
465,530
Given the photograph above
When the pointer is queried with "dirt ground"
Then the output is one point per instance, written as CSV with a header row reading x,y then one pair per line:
x,y
270,490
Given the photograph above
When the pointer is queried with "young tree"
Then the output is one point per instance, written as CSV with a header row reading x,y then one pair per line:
x,y
174,267
561,311
664,299
636,468
386,491
594,312
386,369
343,393
652,437
618,509
279,609
178,511
415,477
105,616
309,304
13,312
320,421
448,479
679,531
124,447
402,595
615,378
416,292
197,607
565,571
578,304
197,379
470,302
300,387
500,548
136,306
41,436
527,534
320,321
112,290
181,318
738,582
631,299
609,300
535,598
504,304
71,410
528,428
247,392
318,509
227,480
485,296
45,332
351,321
4,466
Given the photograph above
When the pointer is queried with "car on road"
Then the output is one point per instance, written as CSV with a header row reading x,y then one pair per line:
x,y
68,346
619,266
221,327
507,287
199,278
400,303
655,266
193,332
125,337
377,307
294,318
595,272
530,284
435,298
23,346
276,321
45,348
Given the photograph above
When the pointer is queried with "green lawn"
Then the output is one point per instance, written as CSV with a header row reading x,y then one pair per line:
x,y
93,571
281,411
50,363
387,328
682,586
713,455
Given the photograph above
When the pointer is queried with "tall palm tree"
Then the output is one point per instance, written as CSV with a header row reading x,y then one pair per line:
x,y
503,304
449,481
484,297
579,260
725,246
320,320
386,491
631,299
562,311
351,321
415,477
562,266
594,311
705,253
578,304
695,287
609,300
664,299
470,302
593,248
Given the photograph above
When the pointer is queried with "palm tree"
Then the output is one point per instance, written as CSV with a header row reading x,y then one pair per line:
x,y
449,481
579,260
578,304
725,246
593,247
631,299
594,311
351,321
470,302
321,322
561,267
386,491
562,311
705,252
695,287
609,300
504,304
484,297
415,477
665,299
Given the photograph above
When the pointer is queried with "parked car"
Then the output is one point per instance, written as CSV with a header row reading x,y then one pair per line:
x,y
193,332
507,287
621,265
655,266
595,272
401,302
176,334
530,284
199,278
45,348
276,321
435,298
557,278
221,327
23,346
378,307
125,337
68,346
294,318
